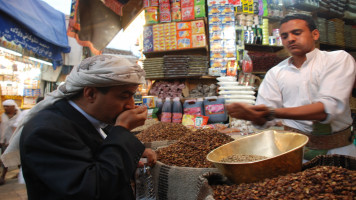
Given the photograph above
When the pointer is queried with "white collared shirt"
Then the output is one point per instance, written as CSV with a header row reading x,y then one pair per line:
x,y
326,77
96,123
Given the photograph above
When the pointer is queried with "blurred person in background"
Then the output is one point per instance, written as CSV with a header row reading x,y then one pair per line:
x,y
7,127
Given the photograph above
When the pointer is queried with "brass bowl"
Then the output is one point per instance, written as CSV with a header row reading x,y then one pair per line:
x,y
283,149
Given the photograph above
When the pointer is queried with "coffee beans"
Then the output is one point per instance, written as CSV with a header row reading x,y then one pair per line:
x,y
192,149
321,182
238,158
163,131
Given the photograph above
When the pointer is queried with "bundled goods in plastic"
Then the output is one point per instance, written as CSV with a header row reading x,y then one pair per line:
x,y
184,65
203,90
233,92
144,184
153,67
163,89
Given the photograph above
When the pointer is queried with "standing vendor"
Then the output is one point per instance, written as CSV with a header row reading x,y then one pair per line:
x,y
308,92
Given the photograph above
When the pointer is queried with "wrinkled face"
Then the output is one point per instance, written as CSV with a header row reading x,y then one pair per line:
x,y
297,37
107,107
9,109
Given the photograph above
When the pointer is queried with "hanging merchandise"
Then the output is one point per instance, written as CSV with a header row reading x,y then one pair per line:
x,y
246,63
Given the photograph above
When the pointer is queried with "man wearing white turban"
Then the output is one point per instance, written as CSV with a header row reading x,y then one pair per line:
x,y
7,127
66,153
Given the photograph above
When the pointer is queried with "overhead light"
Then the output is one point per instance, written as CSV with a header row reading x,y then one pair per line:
x,y
10,51
40,61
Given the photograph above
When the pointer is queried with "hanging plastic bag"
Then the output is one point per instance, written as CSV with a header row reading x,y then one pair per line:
x,y
144,184
246,63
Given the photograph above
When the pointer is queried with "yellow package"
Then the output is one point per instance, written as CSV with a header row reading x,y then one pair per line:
x,y
198,27
199,40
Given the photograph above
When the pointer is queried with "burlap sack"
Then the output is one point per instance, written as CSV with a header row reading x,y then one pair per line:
x,y
178,183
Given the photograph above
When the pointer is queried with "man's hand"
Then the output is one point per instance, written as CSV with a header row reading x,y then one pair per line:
x,y
132,118
255,114
151,158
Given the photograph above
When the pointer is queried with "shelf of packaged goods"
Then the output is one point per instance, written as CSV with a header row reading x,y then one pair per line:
x,y
258,47
327,46
188,51
200,18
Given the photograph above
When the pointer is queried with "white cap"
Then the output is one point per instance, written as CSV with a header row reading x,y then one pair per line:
x,y
9,102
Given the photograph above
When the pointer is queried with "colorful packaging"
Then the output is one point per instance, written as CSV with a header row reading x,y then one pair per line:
x,y
184,34
163,1
146,3
183,26
147,39
199,11
188,13
198,40
183,43
151,15
165,12
231,68
199,2
149,101
176,12
186,3
154,3
198,27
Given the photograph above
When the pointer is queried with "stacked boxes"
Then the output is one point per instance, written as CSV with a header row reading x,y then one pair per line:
x,y
184,35
174,35
198,34
147,38
158,38
199,8
187,7
170,37
176,11
164,11
222,36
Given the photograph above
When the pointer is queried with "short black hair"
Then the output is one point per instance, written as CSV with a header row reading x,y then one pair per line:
x,y
308,19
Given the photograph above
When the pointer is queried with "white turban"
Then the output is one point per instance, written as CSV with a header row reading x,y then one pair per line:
x,y
96,71
9,102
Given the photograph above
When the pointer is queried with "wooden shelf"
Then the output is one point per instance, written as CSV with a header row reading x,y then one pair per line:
x,y
258,47
189,51
327,46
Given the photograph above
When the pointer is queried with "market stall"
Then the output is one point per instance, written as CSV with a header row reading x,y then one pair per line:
x,y
239,42
33,37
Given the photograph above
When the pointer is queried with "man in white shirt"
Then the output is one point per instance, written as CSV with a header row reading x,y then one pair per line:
x,y
7,127
308,92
